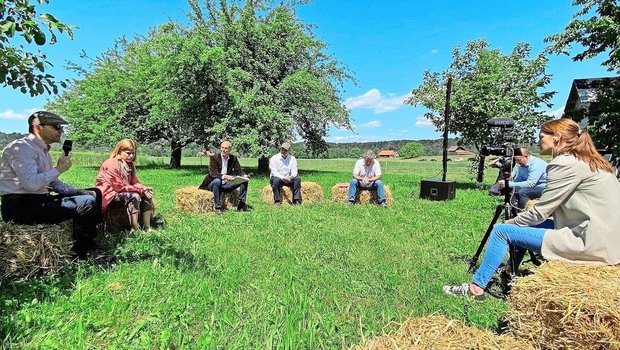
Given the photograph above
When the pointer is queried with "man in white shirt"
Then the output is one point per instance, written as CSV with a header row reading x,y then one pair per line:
x,y
366,175
27,178
283,167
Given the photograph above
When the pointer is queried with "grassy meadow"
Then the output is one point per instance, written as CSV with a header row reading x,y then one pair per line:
x,y
321,276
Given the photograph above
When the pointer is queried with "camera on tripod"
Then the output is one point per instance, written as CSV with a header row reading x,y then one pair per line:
x,y
506,148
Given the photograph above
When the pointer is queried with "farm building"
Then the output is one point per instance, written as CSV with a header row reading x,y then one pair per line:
x,y
387,153
460,151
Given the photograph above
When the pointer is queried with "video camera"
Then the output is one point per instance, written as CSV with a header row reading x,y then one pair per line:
x,y
506,148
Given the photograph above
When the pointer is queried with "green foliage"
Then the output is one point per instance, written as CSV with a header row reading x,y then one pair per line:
x,y
319,276
488,84
411,150
19,68
597,34
355,152
241,71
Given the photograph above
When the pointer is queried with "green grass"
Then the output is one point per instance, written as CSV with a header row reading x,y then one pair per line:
x,y
311,277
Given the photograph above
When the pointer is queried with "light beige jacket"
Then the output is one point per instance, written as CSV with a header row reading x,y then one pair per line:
x,y
586,208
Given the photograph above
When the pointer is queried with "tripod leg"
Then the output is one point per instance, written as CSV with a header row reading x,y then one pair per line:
x,y
474,259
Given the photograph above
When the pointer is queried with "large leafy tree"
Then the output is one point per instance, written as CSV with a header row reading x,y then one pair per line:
x,y
241,71
19,68
596,28
411,150
487,84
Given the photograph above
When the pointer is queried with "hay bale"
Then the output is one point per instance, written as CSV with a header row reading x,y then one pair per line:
x,y
437,332
28,250
567,306
311,192
340,194
197,201
116,218
530,204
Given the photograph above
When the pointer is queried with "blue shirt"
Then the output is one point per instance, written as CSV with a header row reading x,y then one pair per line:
x,y
533,174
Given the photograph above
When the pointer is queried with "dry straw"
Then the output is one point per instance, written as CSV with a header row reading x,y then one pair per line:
x,y
340,194
27,250
311,192
194,200
437,332
116,217
567,306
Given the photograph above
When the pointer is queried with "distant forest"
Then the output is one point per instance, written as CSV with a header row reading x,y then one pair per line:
x,y
334,150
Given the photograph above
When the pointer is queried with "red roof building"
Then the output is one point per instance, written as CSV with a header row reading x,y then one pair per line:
x,y
387,153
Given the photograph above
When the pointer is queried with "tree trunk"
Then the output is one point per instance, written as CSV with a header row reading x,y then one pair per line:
x,y
175,155
263,165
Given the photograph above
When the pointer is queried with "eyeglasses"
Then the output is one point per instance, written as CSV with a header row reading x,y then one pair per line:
x,y
58,127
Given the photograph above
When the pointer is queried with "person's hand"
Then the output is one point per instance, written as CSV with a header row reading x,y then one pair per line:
x,y
501,184
64,163
510,221
287,179
228,177
148,192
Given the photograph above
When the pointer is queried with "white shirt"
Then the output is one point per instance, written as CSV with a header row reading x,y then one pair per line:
x,y
224,166
364,171
281,167
26,168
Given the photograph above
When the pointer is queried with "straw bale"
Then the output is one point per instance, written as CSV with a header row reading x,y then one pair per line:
x,y
340,194
438,332
197,201
311,192
530,204
116,218
28,250
567,306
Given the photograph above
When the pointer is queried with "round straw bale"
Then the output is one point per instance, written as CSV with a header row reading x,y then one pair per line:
x,y
567,306
340,194
197,201
27,250
311,192
438,332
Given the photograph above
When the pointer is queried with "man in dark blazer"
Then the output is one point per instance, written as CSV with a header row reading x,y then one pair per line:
x,y
223,168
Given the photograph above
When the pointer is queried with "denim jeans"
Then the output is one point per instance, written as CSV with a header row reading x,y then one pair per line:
x,y
30,209
522,237
524,194
218,186
354,185
294,184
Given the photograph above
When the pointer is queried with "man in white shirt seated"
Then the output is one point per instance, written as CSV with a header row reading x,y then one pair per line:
x,y
283,167
27,179
366,175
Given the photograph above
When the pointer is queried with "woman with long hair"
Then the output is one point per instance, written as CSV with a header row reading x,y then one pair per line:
x,y
582,196
118,182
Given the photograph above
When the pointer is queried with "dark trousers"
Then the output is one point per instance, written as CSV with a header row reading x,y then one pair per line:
x,y
30,209
218,186
294,185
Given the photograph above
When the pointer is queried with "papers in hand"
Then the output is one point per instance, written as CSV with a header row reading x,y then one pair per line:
x,y
239,180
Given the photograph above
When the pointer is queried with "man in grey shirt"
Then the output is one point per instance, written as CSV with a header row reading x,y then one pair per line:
x,y
27,178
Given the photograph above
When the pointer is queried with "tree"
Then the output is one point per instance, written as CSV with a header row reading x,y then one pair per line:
x,y
354,152
487,84
21,69
250,74
597,35
411,150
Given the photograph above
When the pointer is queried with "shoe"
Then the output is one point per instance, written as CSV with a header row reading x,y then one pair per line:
x,y
383,205
244,207
218,212
296,202
349,204
461,290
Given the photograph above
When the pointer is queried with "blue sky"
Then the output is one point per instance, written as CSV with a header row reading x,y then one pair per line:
x,y
387,45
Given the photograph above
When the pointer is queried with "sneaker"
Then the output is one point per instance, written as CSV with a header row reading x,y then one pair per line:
x,y
244,207
383,205
218,212
350,204
461,290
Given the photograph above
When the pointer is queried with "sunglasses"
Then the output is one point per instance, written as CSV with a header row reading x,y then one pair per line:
x,y
58,127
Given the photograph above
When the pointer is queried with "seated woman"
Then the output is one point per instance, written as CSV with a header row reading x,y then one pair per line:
x,y
582,195
118,183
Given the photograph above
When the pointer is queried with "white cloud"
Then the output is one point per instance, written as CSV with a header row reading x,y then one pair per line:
x,y
373,99
557,113
434,51
370,124
11,114
423,121
352,138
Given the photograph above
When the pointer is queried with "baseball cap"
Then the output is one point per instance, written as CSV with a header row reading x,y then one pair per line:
x,y
286,146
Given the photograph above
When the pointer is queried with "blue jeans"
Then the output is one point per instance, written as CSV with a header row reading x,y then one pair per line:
x,y
218,186
354,185
30,209
523,238
524,194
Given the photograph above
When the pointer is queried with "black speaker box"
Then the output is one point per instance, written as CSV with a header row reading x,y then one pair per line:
x,y
437,190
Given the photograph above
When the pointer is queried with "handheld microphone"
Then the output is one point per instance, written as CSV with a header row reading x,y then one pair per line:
x,y
67,146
